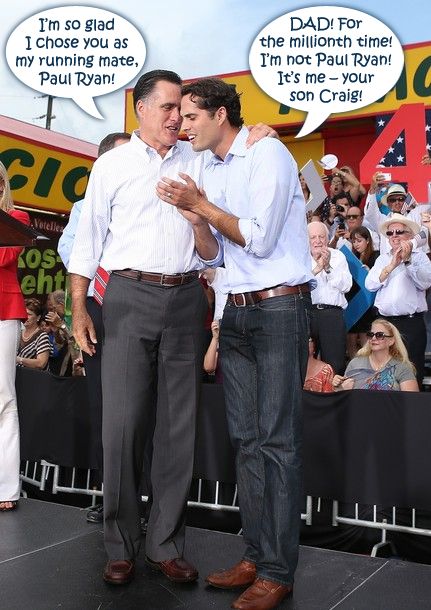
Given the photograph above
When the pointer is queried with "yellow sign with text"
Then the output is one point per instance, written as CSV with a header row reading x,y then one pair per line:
x,y
44,174
414,85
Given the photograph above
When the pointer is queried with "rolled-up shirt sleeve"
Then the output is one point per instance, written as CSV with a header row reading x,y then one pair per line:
x,y
271,182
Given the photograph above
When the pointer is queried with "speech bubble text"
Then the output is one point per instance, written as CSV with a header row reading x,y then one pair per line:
x,y
326,59
78,52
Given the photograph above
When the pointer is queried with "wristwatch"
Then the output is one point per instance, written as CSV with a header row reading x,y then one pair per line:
x,y
63,326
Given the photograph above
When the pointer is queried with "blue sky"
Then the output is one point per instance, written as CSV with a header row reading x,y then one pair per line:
x,y
194,38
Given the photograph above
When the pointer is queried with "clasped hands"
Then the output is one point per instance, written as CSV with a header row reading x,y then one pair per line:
x,y
185,196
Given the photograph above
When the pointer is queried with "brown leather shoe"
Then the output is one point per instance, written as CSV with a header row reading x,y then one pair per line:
x,y
242,574
119,572
177,570
262,595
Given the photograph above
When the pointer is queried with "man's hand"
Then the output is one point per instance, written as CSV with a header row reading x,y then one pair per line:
x,y
83,331
186,197
259,131
377,181
426,160
406,250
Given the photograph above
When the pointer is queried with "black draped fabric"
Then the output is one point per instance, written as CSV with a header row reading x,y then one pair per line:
x,y
55,419
368,446
214,456
359,446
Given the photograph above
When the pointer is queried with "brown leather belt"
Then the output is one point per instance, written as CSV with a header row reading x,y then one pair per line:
x,y
241,299
163,279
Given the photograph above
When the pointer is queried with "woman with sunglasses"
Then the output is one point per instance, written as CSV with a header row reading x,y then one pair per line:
x,y
362,248
382,364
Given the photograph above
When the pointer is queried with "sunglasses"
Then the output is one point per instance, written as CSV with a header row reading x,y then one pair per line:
x,y
352,216
378,335
397,232
394,199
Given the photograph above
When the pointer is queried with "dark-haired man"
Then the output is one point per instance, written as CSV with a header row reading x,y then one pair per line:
x,y
256,205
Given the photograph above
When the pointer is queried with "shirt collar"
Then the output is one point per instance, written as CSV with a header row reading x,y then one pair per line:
x,y
238,149
148,151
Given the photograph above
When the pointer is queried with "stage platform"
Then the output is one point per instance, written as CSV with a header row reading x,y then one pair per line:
x,y
50,557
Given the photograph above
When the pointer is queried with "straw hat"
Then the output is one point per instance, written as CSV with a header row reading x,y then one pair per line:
x,y
395,189
410,224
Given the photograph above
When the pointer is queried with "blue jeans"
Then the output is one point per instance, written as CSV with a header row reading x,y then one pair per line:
x,y
263,354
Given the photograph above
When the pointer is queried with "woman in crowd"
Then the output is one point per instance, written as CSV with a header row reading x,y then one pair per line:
x,y
35,346
382,364
362,247
319,375
12,312
304,187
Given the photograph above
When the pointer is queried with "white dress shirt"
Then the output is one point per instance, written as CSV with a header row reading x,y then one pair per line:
x,y
124,224
260,186
332,285
403,291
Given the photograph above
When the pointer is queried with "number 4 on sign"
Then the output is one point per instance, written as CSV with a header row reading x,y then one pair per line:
x,y
411,119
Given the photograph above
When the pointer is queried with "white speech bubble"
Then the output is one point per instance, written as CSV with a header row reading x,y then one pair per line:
x,y
78,52
326,59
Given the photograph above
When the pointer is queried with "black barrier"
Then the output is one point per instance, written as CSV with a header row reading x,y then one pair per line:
x,y
359,446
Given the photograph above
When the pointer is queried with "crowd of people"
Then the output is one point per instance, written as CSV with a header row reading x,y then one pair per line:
x,y
228,207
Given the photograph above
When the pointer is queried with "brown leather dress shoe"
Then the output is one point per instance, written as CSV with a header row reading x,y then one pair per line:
x,y
177,570
119,572
262,595
242,574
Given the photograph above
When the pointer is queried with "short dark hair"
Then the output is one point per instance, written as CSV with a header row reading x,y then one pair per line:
x,y
34,305
149,80
211,94
341,195
110,140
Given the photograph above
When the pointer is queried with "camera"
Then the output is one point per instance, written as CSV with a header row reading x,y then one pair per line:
x,y
339,208
342,225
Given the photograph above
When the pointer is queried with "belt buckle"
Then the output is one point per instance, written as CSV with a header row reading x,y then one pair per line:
x,y
162,282
239,294
320,306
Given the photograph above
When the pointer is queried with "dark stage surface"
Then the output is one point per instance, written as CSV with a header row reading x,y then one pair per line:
x,y
50,557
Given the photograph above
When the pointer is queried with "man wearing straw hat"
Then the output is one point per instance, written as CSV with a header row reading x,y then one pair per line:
x,y
400,277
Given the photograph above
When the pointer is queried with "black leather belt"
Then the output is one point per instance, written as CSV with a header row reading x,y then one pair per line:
x,y
241,299
323,306
163,279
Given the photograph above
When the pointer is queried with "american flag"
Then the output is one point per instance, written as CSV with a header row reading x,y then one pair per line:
x,y
396,154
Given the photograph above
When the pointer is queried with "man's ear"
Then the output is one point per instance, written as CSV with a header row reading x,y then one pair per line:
x,y
221,115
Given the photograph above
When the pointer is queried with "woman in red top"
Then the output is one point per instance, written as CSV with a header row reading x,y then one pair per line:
x,y
12,312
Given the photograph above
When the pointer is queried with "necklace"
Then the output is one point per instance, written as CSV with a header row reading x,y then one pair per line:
x,y
27,336
378,367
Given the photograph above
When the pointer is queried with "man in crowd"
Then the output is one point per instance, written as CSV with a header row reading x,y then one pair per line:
x,y
394,198
333,277
400,278
264,335
92,364
354,218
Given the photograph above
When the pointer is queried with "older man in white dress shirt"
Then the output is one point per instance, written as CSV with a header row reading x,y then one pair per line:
x,y
333,281
153,313
400,277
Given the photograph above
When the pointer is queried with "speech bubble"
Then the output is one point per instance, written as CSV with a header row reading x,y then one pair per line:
x,y
79,52
326,59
